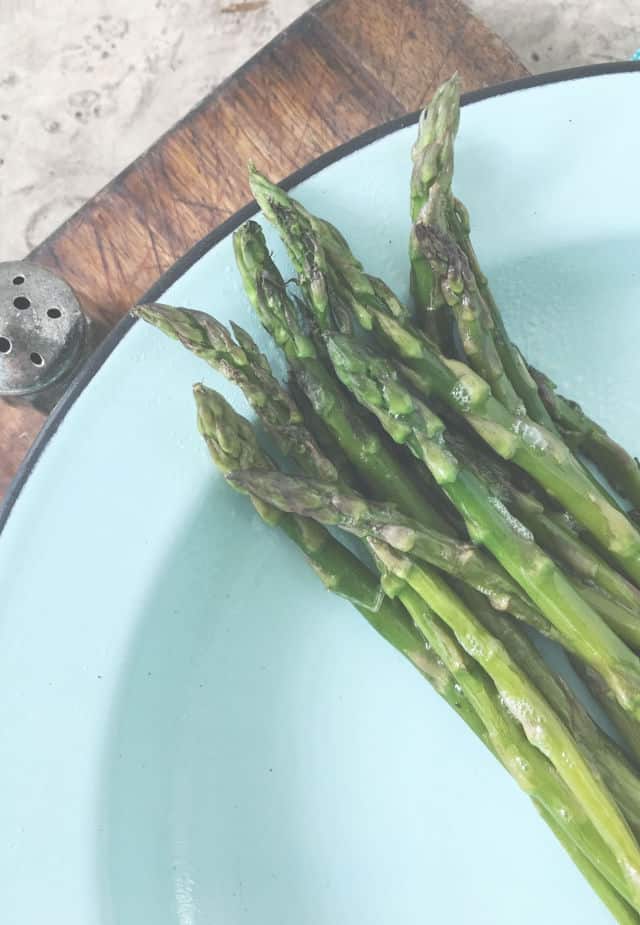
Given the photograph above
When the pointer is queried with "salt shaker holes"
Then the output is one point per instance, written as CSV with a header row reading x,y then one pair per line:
x,y
44,334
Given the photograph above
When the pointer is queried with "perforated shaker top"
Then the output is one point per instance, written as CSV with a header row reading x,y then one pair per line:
x,y
42,328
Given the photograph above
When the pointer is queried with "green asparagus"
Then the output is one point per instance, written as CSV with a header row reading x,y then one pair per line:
x,y
432,156
509,739
231,443
540,724
543,455
456,284
600,750
552,530
377,385
337,507
581,433
484,512
362,445
516,437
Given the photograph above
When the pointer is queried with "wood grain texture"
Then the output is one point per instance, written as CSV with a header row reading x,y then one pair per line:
x,y
344,67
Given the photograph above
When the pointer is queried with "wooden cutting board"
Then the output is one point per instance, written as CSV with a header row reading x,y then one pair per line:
x,y
343,67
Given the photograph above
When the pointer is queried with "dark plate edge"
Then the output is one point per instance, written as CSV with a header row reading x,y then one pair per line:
x,y
179,268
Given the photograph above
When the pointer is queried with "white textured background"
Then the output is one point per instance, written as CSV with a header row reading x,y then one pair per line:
x,y
86,85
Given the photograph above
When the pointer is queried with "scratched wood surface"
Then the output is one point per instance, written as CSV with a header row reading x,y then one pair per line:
x,y
334,73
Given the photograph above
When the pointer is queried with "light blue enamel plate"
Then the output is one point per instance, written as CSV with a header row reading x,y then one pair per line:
x,y
192,730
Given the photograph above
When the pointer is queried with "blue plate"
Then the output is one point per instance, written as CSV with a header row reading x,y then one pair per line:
x,y
193,731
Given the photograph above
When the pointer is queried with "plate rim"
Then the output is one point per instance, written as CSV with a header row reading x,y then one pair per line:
x,y
81,380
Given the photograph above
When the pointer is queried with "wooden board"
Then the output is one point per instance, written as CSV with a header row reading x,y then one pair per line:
x,y
343,67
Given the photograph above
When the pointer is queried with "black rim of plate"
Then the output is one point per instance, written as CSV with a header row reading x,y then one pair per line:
x,y
180,267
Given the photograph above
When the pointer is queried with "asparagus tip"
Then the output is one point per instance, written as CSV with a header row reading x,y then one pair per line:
x,y
149,311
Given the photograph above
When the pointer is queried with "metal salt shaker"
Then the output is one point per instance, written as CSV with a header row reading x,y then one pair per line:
x,y
44,334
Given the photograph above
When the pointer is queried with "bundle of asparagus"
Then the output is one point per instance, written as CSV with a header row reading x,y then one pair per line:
x,y
426,435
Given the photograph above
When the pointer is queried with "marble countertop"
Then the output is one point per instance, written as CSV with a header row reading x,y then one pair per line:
x,y
85,88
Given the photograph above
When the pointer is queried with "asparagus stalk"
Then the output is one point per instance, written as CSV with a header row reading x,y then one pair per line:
x,y
334,271
363,446
540,453
457,219
534,449
376,384
619,717
243,364
231,442
337,507
601,751
512,360
540,724
432,156
347,474
456,283
550,529
375,522
619,908
622,621
379,469
505,736
581,433
614,598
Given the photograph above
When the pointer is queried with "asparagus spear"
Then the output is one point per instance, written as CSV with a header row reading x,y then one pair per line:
x,y
457,219
335,272
243,364
512,360
375,522
622,621
616,600
347,474
619,717
601,751
540,724
550,529
505,736
580,432
432,156
530,446
334,506
363,446
619,908
231,442
456,283
455,278
382,473
376,384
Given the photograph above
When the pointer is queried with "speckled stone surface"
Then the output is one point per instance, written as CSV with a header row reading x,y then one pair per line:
x,y
86,87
